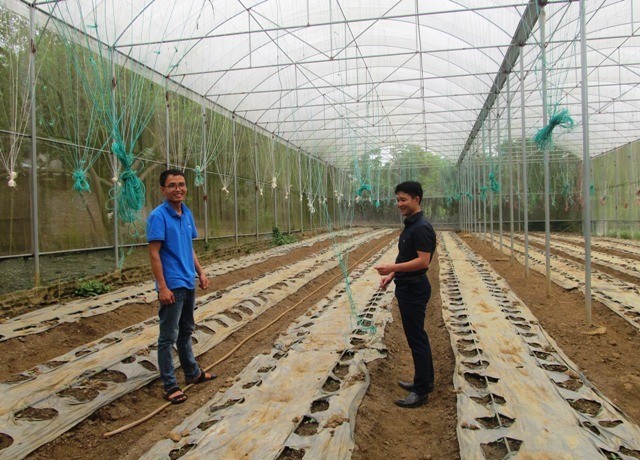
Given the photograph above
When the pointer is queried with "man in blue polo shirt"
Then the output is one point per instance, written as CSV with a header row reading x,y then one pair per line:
x,y
170,231
415,249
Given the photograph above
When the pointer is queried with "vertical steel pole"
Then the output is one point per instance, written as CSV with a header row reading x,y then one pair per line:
x,y
275,190
167,116
585,162
257,176
484,183
525,186
499,170
204,167
35,221
235,180
300,191
490,155
545,120
114,166
511,197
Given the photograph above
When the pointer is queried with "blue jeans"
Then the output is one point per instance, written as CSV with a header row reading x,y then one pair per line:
x,y
176,326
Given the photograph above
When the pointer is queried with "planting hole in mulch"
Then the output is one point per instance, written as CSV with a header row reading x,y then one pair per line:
x,y
5,441
233,315
246,386
307,427
266,369
497,450
132,329
474,352
110,376
591,427
35,414
54,364
110,340
487,400
610,423
208,424
476,365
586,406
570,384
177,453
496,421
347,355
228,403
85,352
630,452
80,394
331,385
291,454
341,370
128,360
478,381
319,405
555,367
205,329
148,365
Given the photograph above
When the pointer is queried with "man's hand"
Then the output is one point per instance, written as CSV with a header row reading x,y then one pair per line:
x,y
204,281
165,296
385,269
384,282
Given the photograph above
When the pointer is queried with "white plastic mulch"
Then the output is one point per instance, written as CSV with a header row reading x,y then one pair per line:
x,y
518,395
302,398
620,296
40,404
45,318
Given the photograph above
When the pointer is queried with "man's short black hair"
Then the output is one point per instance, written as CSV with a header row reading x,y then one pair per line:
x,y
167,173
411,188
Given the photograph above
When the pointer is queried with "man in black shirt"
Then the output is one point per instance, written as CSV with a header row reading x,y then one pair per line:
x,y
415,249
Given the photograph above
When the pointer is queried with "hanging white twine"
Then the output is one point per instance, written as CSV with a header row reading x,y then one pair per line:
x,y
274,182
12,179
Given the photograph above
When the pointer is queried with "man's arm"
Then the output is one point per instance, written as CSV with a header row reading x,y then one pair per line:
x,y
165,296
204,281
419,263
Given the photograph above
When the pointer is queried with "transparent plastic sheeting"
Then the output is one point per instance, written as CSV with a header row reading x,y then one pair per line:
x,y
301,398
518,394
45,318
311,72
627,266
620,296
39,405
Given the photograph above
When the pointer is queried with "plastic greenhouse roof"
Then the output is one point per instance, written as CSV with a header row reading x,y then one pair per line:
x,y
339,77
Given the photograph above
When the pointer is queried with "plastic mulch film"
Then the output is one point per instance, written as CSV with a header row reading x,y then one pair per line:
x,y
302,398
518,394
618,245
621,264
45,318
620,296
40,404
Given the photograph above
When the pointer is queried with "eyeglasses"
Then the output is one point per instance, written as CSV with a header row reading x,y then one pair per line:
x,y
175,186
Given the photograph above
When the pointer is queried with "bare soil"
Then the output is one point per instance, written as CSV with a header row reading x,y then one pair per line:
x,y
383,430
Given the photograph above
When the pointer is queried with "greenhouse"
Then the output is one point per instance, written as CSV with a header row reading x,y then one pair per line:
x,y
291,125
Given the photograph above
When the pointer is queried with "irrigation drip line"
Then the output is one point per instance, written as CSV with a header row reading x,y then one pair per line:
x,y
237,347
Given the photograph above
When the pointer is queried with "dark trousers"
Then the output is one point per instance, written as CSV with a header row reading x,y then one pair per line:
x,y
412,300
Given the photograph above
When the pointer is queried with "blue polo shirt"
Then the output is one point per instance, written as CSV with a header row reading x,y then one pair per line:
x,y
176,253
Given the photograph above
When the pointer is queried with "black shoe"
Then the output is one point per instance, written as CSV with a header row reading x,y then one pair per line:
x,y
413,400
405,385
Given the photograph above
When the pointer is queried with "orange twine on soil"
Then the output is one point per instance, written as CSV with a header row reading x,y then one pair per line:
x,y
233,350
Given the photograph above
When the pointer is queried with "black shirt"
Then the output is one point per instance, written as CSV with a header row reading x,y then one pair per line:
x,y
418,235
